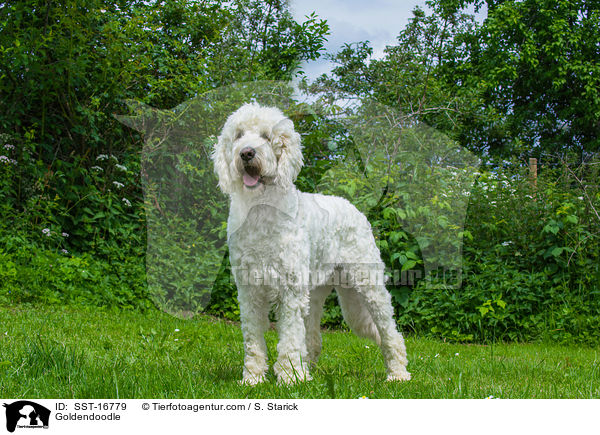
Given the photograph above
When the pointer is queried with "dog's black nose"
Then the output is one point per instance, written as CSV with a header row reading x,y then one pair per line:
x,y
247,154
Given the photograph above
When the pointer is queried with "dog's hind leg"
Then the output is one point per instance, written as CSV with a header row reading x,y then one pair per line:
x,y
357,315
379,303
312,322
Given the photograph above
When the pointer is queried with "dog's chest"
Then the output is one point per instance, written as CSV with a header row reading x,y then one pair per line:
x,y
268,236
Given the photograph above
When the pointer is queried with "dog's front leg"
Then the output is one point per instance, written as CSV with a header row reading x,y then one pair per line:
x,y
254,313
292,359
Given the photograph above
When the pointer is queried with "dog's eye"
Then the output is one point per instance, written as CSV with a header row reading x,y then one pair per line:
x,y
264,135
239,134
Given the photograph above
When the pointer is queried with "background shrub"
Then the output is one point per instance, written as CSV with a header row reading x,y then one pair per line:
x,y
531,268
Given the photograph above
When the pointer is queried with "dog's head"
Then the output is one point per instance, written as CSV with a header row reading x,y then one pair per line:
x,y
258,146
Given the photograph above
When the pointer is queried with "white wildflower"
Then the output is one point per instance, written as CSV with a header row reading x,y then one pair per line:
x,y
456,354
46,232
580,198
64,251
127,202
119,185
176,330
97,168
506,243
114,158
8,146
121,167
436,355
102,157
65,234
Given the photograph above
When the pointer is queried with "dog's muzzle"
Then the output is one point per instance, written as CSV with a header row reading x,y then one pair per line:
x,y
251,176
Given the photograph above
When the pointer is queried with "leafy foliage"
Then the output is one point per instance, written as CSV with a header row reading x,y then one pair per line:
x,y
262,41
415,76
524,82
530,269
538,66
31,272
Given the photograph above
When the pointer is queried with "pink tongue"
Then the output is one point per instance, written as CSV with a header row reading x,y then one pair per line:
x,y
250,180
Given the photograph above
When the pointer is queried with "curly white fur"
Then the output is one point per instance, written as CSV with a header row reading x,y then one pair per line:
x,y
290,249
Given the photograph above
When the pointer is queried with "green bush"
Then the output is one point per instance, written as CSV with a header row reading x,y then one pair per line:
x,y
30,272
530,271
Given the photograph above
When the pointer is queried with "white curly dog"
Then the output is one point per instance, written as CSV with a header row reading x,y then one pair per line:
x,y
290,249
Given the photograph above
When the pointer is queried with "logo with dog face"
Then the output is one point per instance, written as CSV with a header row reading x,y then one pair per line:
x,y
406,175
26,414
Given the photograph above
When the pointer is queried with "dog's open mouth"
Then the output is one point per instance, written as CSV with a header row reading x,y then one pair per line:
x,y
251,176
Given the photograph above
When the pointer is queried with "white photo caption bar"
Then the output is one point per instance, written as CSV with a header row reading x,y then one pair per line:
x,y
250,416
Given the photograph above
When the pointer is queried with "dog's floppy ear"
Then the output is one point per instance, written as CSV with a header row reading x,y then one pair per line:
x,y
290,159
222,166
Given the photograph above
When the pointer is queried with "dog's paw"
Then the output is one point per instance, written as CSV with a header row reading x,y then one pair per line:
x,y
288,374
401,376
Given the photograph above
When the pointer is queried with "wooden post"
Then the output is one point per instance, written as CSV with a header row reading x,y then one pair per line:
x,y
533,171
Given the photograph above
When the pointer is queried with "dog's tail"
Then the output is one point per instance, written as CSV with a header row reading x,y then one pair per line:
x,y
357,315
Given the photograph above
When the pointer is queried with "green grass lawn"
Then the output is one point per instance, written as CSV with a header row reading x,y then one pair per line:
x,y
87,353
